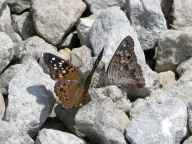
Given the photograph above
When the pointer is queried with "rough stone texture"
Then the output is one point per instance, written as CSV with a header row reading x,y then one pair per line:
x,y
108,30
148,21
174,47
6,50
117,96
30,97
23,24
167,79
5,20
98,5
182,13
2,106
2,2
182,90
102,122
57,137
188,140
10,135
81,57
54,19
84,27
158,120
6,23
7,76
18,6
34,46
185,70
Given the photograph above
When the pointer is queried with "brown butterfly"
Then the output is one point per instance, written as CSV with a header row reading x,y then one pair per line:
x,y
123,69
71,87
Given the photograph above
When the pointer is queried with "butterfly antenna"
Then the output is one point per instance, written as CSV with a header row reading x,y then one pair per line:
x,y
88,80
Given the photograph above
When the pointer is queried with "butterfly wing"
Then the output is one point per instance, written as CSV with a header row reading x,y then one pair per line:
x,y
70,93
59,68
123,69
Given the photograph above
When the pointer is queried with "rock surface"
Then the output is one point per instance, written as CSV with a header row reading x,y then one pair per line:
x,y
188,140
7,76
162,119
118,97
167,79
18,6
97,6
174,47
57,137
83,28
182,13
34,46
148,21
10,135
6,50
2,106
101,122
23,24
54,19
30,97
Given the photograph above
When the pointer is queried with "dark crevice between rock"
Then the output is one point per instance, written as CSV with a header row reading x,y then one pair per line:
x,y
149,56
6,100
127,140
188,131
86,13
75,41
168,4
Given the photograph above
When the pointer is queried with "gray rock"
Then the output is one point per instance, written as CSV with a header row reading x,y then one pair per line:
x,y
30,97
184,70
109,29
23,24
117,96
18,6
102,122
7,76
2,106
2,2
34,46
174,47
188,140
167,79
6,50
98,5
54,19
159,119
6,24
10,135
148,21
57,137
81,57
182,13
83,27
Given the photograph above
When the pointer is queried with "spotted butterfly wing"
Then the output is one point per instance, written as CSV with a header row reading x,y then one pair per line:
x,y
70,93
123,69
59,68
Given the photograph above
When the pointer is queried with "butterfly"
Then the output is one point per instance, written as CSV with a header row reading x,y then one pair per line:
x,y
123,69
71,88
